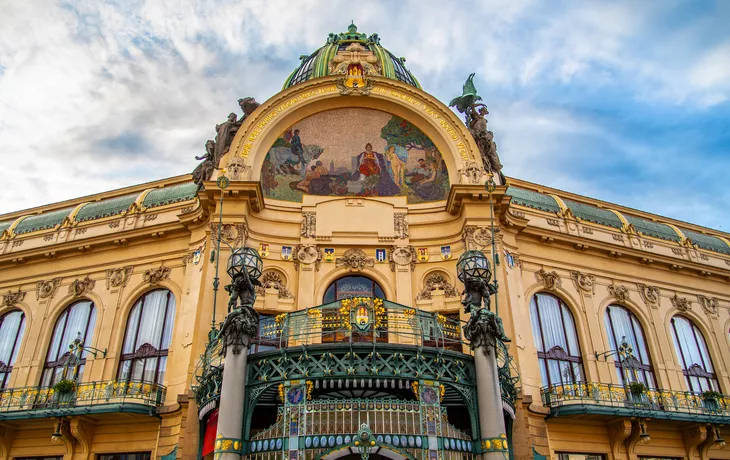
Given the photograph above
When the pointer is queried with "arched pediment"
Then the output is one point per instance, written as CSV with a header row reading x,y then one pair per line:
x,y
401,123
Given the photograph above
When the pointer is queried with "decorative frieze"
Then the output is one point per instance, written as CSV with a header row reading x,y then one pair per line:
x,y
233,234
155,275
550,280
355,259
434,281
681,303
709,304
309,224
619,292
308,254
402,256
80,287
12,298
583,282
118,277
47,289
649,294
400,225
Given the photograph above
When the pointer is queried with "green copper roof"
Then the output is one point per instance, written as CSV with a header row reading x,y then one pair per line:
x,y
707,242
593,214
106,208
169,195
533,200
655,229
317,64
42,221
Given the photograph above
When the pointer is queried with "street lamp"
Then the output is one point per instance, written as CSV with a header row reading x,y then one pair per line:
x,y
473,264
245,258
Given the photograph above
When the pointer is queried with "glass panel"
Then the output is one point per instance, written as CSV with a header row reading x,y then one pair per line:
x,y
150,369
137,367
124,369
55,346
329,295
169,323
161,371
570,333
11,332
132,328
537,335
153,315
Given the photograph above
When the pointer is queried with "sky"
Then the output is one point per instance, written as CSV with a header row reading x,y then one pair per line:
x,y
624,101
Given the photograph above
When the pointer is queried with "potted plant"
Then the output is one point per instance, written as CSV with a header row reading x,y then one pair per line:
x,y
64,391
710,400
637,392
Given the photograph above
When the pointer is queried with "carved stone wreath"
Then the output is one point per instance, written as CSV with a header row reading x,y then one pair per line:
x,y
155,275
47,289
233,234
709,304
355,259
402,256
649,294
619,291
681,303
80,287
12,298
550,280
476,237
436,281
583,281
118,277
272,279
308,254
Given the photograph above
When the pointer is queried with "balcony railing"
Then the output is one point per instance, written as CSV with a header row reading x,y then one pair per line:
x,y
587,397
89,397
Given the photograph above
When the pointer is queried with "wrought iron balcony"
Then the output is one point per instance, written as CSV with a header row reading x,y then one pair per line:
x,y
86,398
609,399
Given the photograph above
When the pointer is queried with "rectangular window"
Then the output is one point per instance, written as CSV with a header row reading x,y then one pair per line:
x,y
125,456
572,456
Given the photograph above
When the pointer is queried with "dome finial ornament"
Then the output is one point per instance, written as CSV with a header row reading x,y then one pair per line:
x,y
352,28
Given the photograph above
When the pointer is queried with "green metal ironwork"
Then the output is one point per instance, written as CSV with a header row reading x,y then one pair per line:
x,y
89,397
603,398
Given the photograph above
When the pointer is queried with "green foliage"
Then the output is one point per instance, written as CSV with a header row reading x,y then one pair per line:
x,y
710,394
64,386
401,132
637,388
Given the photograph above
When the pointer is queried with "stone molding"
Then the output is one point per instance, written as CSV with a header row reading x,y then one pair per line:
x,y
649,294
271,279
619,292
709,304
681,303
12,298
584,282
47,289
118,277
436,280
155,275
550,280
80,287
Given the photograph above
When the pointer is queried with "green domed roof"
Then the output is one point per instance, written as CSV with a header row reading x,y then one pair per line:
x,y
321,63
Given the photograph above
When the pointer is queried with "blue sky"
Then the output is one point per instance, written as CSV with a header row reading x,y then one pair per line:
x,y
623,101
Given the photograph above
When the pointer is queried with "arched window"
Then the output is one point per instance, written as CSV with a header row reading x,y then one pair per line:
x,y
12,325
693,355
556,340
147,338
352,286
77,320
621,324
343,288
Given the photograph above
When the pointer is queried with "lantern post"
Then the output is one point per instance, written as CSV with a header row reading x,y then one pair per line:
x,y
483,330
239,328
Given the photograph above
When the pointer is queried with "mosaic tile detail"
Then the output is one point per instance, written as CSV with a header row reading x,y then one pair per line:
x,y
354,152
171,194
42,221
533,200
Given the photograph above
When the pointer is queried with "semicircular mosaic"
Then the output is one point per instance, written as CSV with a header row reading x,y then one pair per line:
x,y
354,152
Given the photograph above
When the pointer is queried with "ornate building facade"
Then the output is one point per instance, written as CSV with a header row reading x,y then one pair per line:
x,y
359,191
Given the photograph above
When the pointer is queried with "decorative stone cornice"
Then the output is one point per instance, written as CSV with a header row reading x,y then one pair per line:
x,y
550,280
402,256
12,298
436,280
308,254
241,325
583,282
649,294
681,303
118,277
355,259
400,225
619,292
709,304
47,289
155,275
80,287
309,224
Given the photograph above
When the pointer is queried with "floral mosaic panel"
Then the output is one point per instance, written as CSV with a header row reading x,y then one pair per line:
x,y
354,152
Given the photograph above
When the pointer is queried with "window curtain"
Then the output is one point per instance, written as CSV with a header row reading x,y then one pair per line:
x,y
622,324
77,319
11,333
692,351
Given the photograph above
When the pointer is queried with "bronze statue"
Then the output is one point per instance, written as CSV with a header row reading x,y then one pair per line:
x,y
248,105
243,289
224,135
476,121
483,327
477,290
204,171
